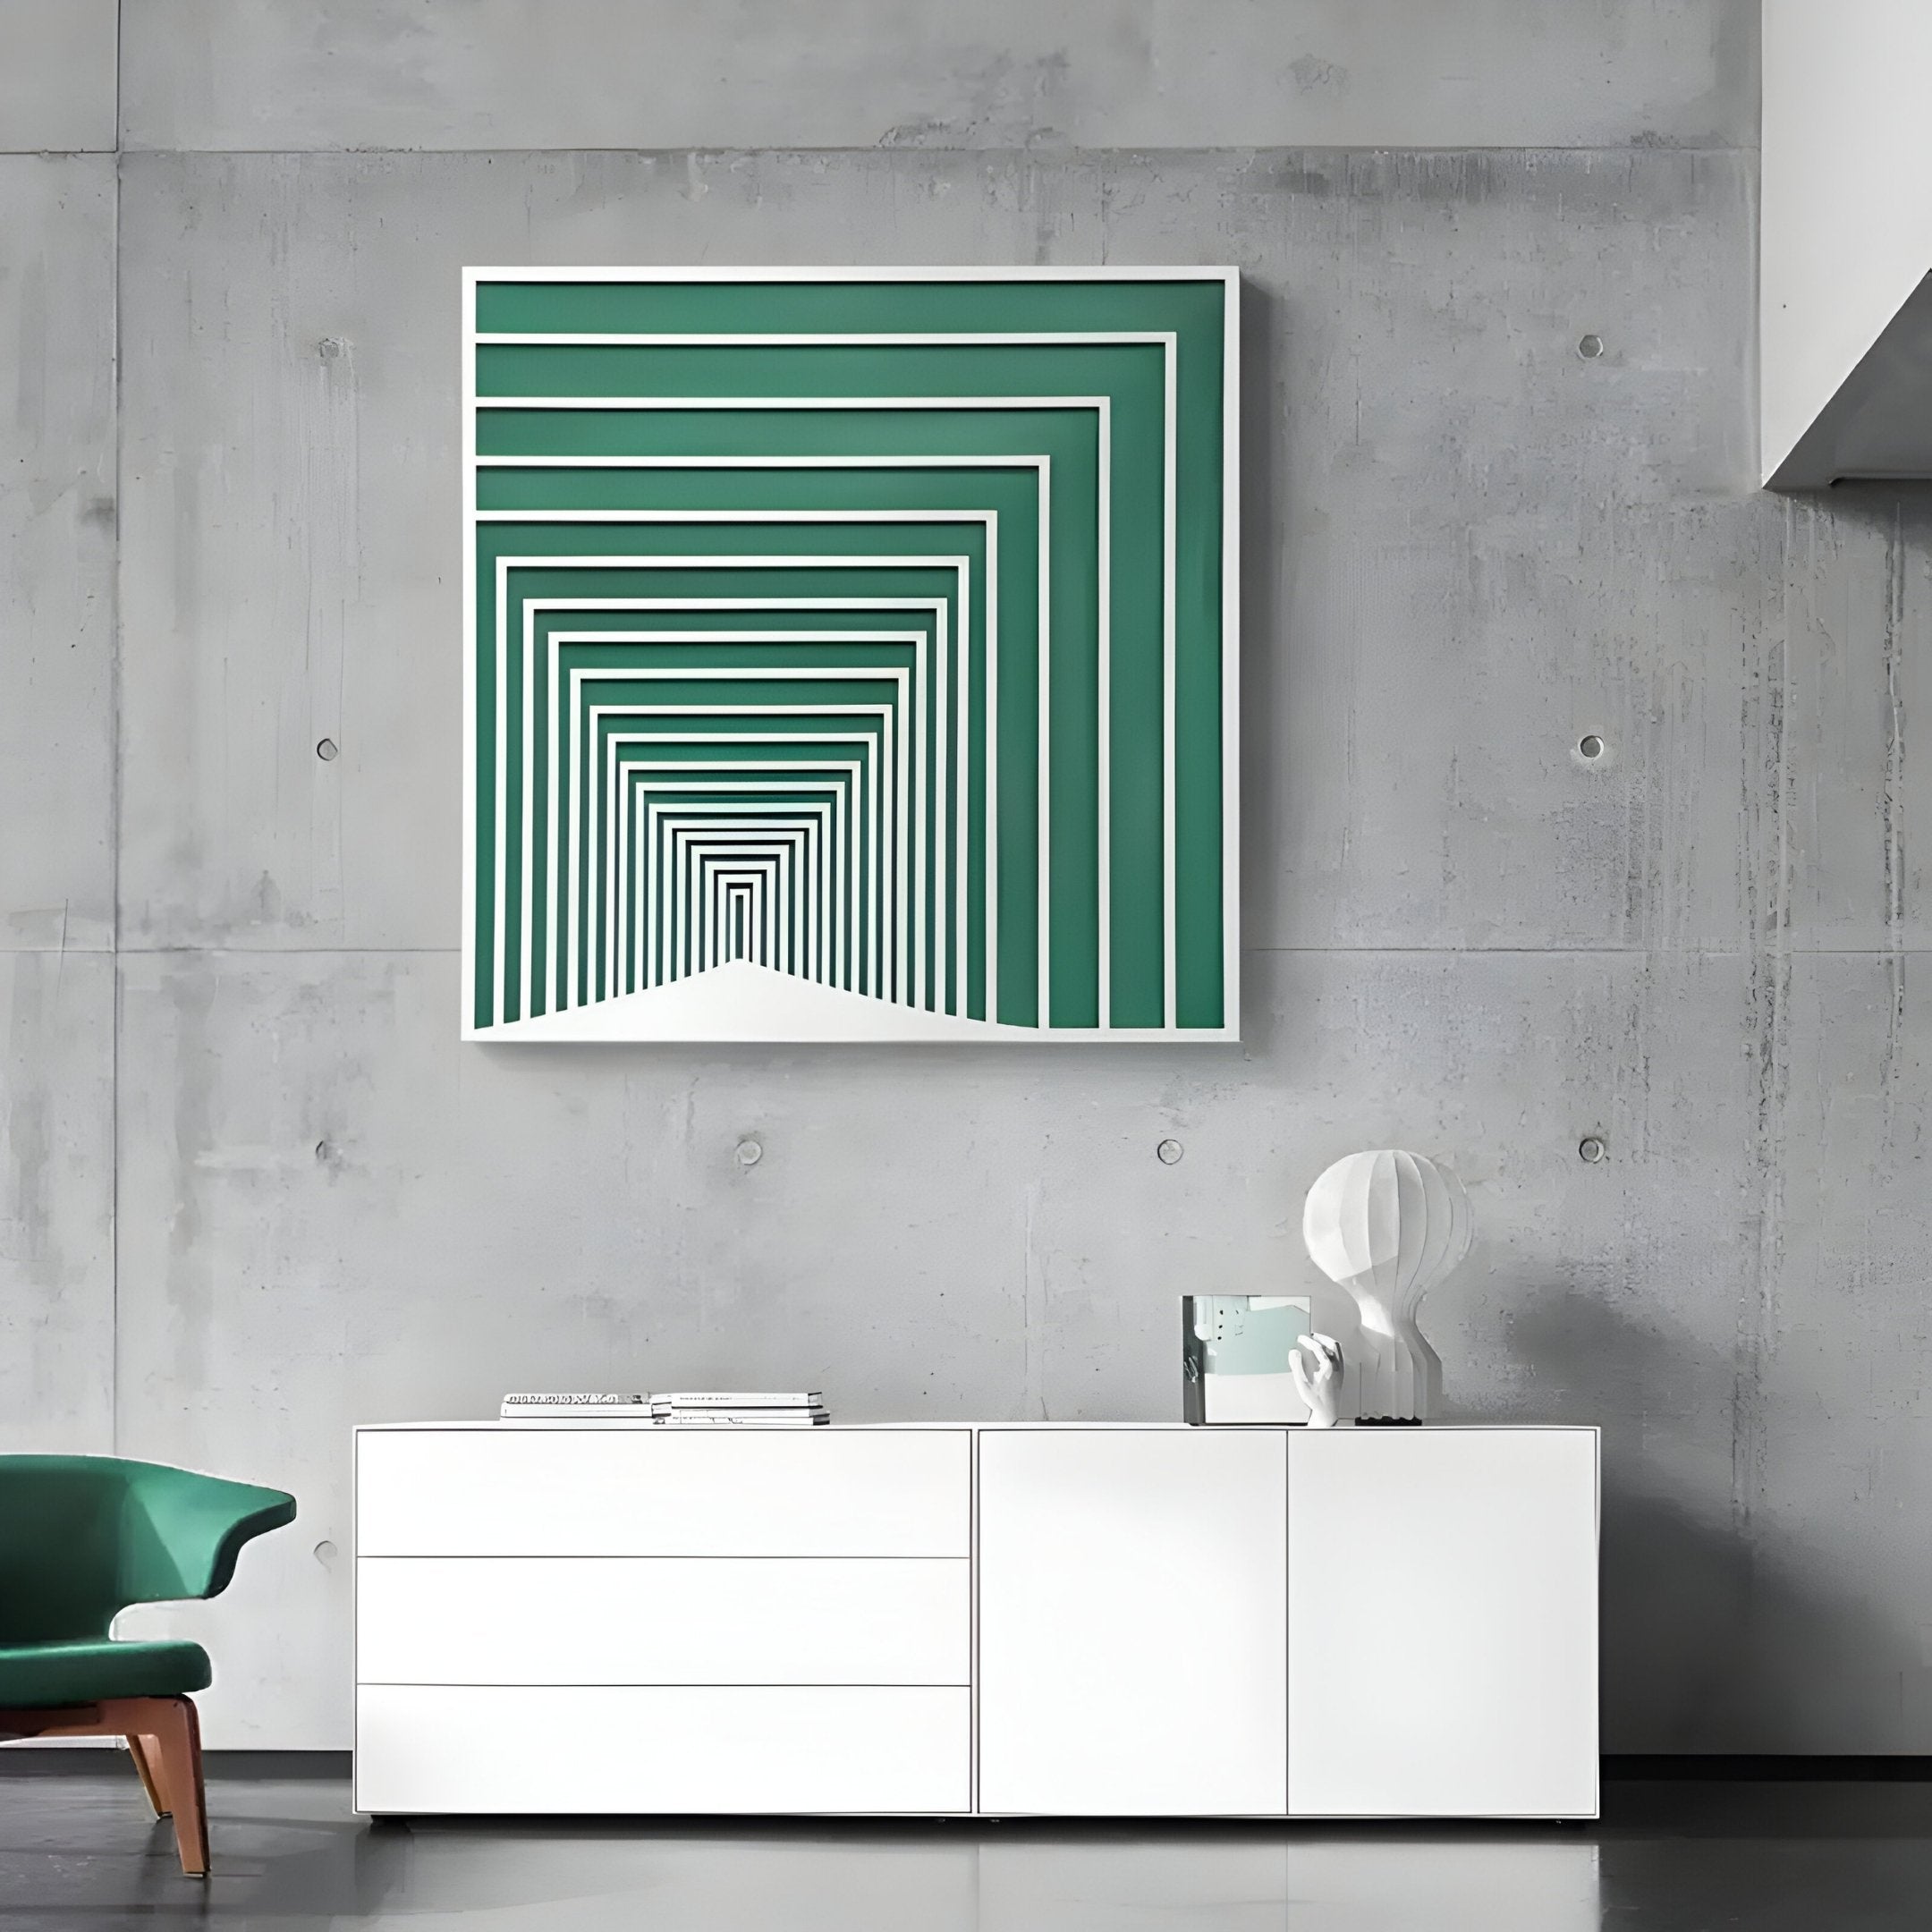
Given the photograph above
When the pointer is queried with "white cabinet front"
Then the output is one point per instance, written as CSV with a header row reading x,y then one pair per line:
x,y
1443,1622
505,1748
558,1491
644,1620
1132,1621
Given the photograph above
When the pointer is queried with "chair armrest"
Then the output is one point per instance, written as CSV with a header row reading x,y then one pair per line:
x,y
191,1531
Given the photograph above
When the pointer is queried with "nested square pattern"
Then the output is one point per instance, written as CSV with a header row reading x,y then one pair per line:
x,y
850,654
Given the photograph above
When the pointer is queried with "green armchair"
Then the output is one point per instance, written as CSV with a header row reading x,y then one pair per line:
x,y
82,1537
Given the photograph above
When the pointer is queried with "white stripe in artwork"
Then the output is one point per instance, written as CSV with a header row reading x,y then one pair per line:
x,y
1042,468
649,812
585,725
704,867
711,869
751,915
961,925
622,868
868,748
885,816
506,565
1111,273
745,935
1231,537
648,886
706,776
566,968
1102,407
934,609
964,459
983,520
827,339
791,851
643,883
1169,342
1103,567
469,460
933,402
959,565
788,922
576,518
657,783
611,947
851,777
706,933
1169,479
698,917
1165,339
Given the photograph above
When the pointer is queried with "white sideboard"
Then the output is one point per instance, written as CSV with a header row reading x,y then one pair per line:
x,y
1099,1620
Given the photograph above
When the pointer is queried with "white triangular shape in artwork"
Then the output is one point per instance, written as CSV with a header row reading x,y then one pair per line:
x,y
740,1000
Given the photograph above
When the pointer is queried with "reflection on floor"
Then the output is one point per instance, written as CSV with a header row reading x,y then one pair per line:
x,y
77,1850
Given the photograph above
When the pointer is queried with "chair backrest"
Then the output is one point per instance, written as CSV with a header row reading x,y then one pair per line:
x,y
83,1537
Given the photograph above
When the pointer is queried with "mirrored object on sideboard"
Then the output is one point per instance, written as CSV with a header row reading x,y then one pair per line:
x,y
1237,1354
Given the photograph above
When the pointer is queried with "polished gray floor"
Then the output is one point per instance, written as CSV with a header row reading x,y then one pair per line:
x,y
77,1851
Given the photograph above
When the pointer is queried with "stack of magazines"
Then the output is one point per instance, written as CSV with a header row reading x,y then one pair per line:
x,y
549,1407
737,1409
685,1409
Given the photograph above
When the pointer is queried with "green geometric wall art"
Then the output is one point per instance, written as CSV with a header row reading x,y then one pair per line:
x,y
850,654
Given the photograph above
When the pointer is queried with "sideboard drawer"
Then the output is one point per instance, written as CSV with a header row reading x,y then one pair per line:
x,y
643,1619
643,1492
436,1748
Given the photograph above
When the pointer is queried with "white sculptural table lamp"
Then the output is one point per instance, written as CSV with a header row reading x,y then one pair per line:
x,y
1388,1227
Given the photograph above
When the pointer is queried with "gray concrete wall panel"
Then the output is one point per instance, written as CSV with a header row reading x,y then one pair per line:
x,y
56,551
744,74
59,76
56,1202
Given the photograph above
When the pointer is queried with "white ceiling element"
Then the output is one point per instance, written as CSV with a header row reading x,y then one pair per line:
x,y
1845,261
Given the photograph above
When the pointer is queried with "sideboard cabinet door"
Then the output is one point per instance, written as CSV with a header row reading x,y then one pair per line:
x,y
1132,1642
1442,1617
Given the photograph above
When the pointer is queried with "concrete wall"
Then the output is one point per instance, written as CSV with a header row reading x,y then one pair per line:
x,y
252,1187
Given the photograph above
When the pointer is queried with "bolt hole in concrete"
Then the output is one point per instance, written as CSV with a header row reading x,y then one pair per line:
x,y
1590,746
750,1153
325,1552
1593,1148
323,1151
326,750
1591,348
1169,1152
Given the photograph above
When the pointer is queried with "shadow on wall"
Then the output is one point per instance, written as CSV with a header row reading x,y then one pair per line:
x,y
1700,1613
1267,651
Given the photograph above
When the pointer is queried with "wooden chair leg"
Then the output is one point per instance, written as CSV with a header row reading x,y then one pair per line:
x,y
179,1737
146,1752
165,1734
